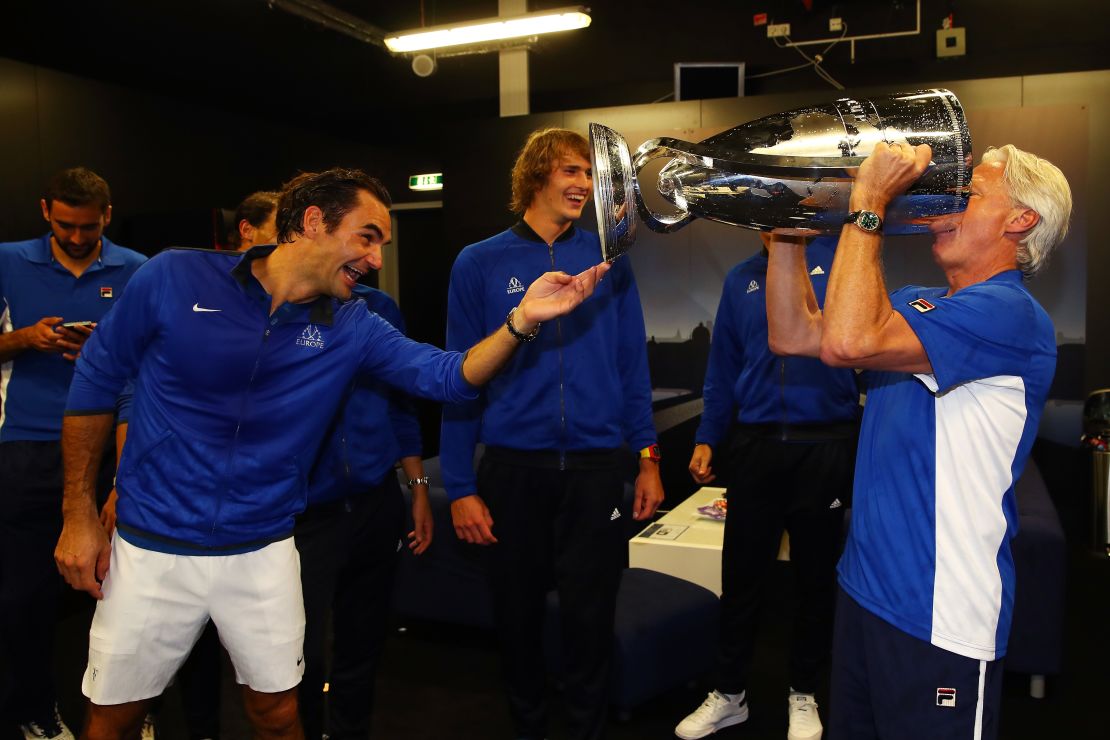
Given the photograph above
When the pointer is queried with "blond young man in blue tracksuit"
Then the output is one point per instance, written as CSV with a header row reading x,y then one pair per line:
x,y
546,497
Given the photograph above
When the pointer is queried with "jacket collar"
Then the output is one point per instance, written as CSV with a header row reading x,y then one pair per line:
x,y
109,252
320,311
524,231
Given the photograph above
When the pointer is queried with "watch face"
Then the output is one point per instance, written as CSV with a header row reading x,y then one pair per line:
x,y
868,221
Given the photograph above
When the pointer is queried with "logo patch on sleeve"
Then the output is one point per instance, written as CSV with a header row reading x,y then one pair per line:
x,y
922,305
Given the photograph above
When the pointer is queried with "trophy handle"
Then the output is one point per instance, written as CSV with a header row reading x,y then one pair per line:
x,y
654,149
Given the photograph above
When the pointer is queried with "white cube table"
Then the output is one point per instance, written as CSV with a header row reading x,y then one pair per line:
x,y
686,544
683,543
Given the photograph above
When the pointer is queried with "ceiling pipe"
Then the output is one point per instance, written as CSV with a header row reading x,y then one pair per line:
x,y
333,19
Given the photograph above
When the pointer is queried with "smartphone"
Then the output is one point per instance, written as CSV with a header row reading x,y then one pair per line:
x,y
72,324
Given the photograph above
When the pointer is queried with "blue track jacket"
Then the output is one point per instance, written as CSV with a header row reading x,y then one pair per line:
x,y
745,383
231,403
583,384
376,427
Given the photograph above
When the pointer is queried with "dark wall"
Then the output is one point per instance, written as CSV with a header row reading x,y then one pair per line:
x,y
630,48
423,264
477,161
246,55
167,161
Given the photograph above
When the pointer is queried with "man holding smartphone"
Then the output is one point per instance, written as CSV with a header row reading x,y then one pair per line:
x,y
53,290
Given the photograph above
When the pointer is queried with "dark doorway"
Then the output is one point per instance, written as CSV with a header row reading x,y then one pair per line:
x,y
424,267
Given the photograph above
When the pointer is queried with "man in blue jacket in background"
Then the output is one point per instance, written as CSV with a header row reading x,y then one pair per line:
x,y
221,469
71,275
548,491
783,432
349,539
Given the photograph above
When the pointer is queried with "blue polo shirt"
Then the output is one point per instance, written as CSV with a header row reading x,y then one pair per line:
x,y
33,285
934,511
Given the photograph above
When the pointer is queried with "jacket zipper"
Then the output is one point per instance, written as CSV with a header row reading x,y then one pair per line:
x,y
242,414
562,390
346,459
346,471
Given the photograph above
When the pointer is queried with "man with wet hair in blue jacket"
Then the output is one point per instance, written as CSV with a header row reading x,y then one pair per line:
x,y
350,538
214,473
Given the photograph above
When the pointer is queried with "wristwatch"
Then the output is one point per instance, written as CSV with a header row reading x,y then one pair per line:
x,y
868,221
414,482
651,452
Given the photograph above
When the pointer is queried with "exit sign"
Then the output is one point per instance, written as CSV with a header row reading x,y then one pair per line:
x,y
432,181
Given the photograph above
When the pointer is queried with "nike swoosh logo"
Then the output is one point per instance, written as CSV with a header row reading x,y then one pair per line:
x,y
198,309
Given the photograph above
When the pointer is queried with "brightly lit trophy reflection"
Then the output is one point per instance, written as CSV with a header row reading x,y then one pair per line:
x,y
787,173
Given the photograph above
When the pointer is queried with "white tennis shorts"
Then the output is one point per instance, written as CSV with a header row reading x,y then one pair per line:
x,y
155,606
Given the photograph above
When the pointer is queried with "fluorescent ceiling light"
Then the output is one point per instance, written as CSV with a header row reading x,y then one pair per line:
x,y
489,29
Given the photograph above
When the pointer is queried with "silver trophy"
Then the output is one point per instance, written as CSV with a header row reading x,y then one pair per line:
x,y
788,173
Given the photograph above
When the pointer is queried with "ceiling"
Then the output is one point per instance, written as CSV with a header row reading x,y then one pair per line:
x,y
242,55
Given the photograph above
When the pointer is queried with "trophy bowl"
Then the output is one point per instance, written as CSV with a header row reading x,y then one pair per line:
x,y
789,172
613,190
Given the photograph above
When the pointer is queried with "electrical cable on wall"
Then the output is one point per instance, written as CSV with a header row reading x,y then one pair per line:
x,y
814,61
811,62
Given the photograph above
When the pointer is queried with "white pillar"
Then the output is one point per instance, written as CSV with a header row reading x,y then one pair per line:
x,y
513,67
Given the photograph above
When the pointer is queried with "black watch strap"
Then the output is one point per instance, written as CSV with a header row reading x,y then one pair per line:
x,y
868,221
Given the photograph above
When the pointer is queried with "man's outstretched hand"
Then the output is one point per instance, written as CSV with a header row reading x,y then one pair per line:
x,y
555,294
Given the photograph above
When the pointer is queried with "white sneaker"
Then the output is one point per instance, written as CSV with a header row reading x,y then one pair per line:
x,y
805,724
47,728
715,713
